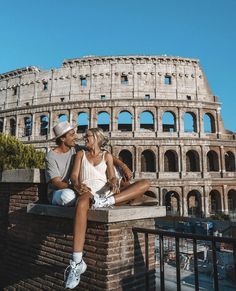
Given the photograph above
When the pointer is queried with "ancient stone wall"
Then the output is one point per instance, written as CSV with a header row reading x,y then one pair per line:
x,y
175,134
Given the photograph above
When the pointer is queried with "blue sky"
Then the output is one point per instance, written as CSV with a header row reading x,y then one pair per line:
x,y
45,32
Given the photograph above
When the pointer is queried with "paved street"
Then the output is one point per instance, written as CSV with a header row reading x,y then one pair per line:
x,y
187,281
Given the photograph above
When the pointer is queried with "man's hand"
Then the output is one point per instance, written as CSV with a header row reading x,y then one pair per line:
x,y
81,188
126,173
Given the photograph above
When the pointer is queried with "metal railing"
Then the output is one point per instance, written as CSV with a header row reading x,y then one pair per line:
x,y
161,234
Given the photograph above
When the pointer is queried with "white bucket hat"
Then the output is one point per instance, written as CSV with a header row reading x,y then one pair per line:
x,y
62,128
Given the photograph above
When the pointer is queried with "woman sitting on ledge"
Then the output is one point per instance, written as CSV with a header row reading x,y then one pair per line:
x,y
94,168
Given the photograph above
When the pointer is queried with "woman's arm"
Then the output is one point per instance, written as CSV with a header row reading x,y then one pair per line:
x,y
112,180
77,186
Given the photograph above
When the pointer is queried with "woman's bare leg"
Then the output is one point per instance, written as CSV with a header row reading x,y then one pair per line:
x,y
80,222
133,191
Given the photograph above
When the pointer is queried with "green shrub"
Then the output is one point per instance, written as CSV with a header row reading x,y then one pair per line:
x,y
15,155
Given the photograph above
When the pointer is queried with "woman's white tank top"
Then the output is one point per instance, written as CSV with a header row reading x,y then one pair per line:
x,y
94,176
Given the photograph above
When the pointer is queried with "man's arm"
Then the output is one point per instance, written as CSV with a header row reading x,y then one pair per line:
x,y
127,174
59,184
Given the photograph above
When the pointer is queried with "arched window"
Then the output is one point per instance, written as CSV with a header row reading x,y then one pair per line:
x,y
194,203
82,122
215,202
192,161
148,161
126,157
147,120
1,125
232,200
125,121
229,162
190,124
44,125
13,126
212,162
170,161
104,121
62,117
168,122
28,125
209,123
172,203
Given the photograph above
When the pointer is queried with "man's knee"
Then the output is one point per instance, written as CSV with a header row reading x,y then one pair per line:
x,y
64,197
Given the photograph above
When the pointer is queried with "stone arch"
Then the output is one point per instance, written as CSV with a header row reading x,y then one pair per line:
x,y
44,124
104,120
215,202
229,161
172,203
194,203
192,161
28,125
231,199
82,122
62,117
146,120
168,121
151,194
212,161
125,121
126,157
1,125
190,122
209,123
148,161
12,126
170,161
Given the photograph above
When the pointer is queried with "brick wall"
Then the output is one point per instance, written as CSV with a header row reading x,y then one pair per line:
x,y
35,249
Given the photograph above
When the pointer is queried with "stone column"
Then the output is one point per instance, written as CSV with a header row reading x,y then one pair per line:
x,y
50,125
33,126
159,120
181,121
17,125
184,203
222,161
4,124
204,162
206,191
178,122
200,123
136,120
225,199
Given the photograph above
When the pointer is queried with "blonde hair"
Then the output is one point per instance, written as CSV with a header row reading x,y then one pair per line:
x,y
99,135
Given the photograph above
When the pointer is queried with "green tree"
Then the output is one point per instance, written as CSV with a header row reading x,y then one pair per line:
x,y
15,155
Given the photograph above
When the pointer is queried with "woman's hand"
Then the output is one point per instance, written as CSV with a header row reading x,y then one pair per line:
x,y
114,185
81,188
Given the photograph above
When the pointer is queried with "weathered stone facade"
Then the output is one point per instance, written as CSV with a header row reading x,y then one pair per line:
x,y
172,133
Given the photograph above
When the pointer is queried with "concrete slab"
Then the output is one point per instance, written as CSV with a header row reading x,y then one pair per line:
x,y
23,176
107,215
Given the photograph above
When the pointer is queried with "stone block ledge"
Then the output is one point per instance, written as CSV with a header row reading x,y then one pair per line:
x,y
105,215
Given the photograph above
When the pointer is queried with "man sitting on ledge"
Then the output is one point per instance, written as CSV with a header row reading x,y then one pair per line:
x,y
59,164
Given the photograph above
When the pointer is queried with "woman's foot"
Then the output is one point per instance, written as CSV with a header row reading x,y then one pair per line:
x,y
72,278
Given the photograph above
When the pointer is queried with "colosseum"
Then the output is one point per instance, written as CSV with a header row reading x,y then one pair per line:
x,y
159,112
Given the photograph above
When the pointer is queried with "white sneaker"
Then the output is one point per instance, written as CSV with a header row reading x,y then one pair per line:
x,y
73,278
100,202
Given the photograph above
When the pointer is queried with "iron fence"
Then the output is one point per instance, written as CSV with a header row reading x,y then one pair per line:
x,y
213,243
